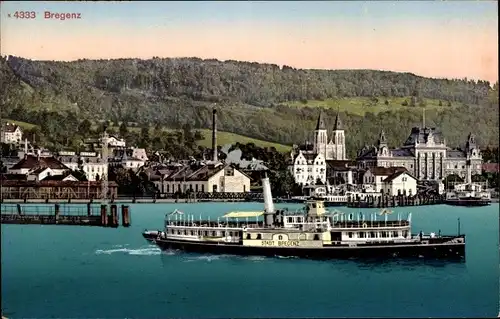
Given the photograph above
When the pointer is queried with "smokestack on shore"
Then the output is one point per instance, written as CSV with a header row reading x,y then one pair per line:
x,y
214,135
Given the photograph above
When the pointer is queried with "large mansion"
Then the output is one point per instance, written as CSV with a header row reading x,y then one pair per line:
x,y
424,154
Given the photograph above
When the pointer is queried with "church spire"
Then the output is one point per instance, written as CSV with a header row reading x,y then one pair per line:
x,y
320,125
338,123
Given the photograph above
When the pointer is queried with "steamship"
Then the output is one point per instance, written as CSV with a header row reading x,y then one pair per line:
x,y
469,193
311,232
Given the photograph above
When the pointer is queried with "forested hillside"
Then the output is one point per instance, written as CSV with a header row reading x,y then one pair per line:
x,y
264,101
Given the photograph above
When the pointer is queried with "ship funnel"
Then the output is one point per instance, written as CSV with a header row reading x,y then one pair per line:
x,y
469,172
268,196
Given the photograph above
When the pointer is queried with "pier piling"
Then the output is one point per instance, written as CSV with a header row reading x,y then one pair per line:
x,y
56,211
125,216
19,211
104,215
114,216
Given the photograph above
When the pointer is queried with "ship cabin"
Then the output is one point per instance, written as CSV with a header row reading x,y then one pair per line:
x,y
228,229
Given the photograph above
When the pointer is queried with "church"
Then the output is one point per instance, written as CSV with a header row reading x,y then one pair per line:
x,y
309,163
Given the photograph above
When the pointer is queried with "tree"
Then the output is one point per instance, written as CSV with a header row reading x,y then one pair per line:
x,y
123,130
84,127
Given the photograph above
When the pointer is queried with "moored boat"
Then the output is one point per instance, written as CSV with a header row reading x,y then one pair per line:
x,y
469,193
311,232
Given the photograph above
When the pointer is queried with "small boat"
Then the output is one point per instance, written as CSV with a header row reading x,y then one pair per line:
x,y
311,232
469,193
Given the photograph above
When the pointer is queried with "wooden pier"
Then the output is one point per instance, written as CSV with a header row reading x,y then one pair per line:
x,y
395,201
69,214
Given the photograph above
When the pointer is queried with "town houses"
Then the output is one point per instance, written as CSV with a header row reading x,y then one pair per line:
x,y
318,164
424,156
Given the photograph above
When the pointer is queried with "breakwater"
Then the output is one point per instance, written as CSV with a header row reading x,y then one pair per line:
x,y
75,215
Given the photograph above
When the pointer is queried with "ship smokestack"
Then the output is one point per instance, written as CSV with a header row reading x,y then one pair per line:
x,y
214,135
469,172
268,196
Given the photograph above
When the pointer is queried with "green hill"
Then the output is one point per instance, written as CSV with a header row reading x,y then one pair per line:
x,y
223,138
262,101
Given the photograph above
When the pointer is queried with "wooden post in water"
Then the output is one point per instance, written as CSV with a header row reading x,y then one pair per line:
x,y
125,216
89,210
114,216
56,209
104,216
19,210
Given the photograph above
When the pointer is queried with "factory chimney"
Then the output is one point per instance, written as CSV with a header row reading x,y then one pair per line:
x,y
214,135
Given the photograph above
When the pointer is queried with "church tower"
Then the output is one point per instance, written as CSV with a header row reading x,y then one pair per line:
x,y
320,135
338,140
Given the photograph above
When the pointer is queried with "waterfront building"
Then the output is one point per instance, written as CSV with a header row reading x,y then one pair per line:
x,y
424,154
211,177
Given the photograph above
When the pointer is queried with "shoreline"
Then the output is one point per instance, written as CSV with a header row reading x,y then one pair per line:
x,y
127,200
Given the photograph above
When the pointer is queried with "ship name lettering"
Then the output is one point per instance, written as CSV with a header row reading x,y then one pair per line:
x,y
268,243
288,243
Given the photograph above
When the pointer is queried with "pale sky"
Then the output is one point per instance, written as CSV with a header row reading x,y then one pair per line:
x,y
452,39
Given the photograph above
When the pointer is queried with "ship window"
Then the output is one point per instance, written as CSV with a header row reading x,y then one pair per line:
x,y
405,233
384,234
192,233
349,234
362,234
249,236
259,236
373,234
290,219
178,232
223,233
280,237
213,233
316,237
230,233
394,234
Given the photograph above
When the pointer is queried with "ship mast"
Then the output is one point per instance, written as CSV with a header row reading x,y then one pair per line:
x,y
104,179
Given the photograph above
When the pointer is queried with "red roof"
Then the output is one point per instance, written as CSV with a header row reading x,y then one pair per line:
x,y
31,161
386,171
490,167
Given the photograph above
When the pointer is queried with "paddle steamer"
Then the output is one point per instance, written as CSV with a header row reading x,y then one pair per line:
x,y
309,233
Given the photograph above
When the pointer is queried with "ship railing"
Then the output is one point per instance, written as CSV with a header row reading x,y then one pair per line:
x,y
370,224
211,224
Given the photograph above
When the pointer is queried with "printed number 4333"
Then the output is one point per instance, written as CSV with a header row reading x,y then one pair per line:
x,y
25,15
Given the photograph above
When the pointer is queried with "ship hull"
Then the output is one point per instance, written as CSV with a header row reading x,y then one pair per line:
x,y
468,202
452,251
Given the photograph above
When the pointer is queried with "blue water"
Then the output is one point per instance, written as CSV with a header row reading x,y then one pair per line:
x,y
80,272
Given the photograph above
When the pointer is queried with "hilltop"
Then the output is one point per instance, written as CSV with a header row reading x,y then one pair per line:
x,y
264,101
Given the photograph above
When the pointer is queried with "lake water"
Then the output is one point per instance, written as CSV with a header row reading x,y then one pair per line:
x,y
85,272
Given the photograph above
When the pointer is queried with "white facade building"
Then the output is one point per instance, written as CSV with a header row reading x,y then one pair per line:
x,y
400,183
89,162
208,178
114,141
375,176
11,134
308,168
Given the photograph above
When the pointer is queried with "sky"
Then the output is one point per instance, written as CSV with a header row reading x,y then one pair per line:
x,y
443,39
